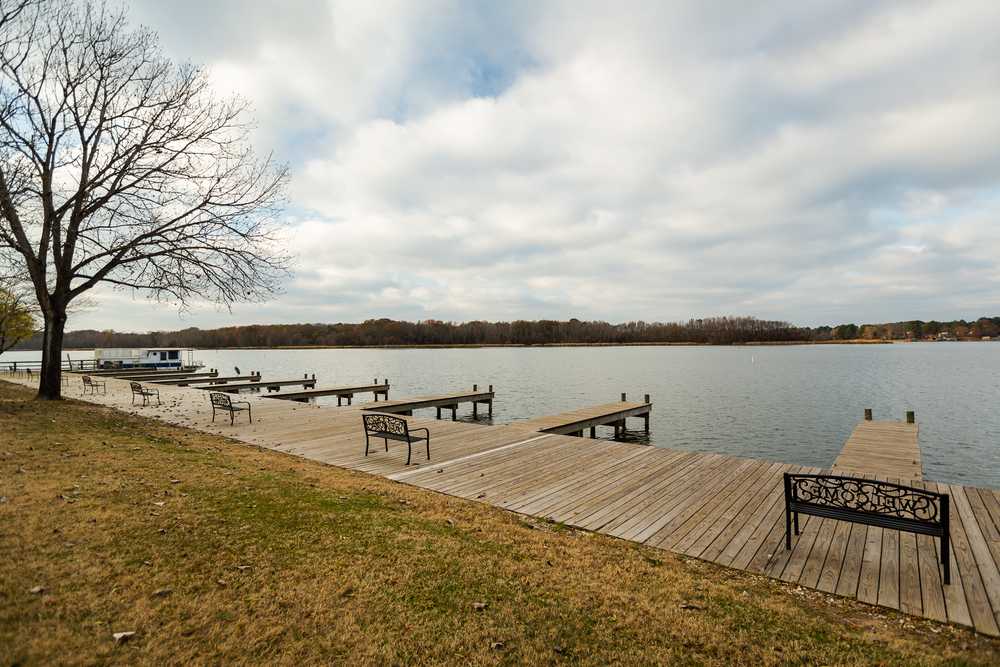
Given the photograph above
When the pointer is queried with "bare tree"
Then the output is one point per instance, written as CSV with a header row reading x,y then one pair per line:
x,y
120,167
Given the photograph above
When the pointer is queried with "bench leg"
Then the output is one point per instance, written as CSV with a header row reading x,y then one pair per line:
x,y
788,530
409,450
428,446
386,444
366,443
249,414
946,558
796,519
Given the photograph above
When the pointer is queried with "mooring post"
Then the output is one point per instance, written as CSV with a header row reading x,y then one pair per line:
x,y
475,409
475,387
439,413
623,397
911,417
454,412
868,414
593,431
491,401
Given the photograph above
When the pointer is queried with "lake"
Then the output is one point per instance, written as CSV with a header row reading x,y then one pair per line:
x,y
795,404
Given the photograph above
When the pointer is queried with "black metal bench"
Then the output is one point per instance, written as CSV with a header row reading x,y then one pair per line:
x,y
870,502
145,393
391,427
93,385
224,403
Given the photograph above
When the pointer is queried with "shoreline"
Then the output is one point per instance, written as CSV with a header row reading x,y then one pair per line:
x,y
445,346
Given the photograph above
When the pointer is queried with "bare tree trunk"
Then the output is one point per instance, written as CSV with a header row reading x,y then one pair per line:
x,y
50,377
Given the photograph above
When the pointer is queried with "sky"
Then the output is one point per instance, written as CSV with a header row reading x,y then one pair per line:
x,y
816,162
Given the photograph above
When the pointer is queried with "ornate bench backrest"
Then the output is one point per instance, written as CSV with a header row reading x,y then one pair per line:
x,y
221,400
868,497
86,379
136,387
385,424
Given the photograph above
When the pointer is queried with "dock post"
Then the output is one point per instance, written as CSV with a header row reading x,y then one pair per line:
x,y
475,409
645,417
593,431
491,401
868,414
454,413
439,413
911,417
623,397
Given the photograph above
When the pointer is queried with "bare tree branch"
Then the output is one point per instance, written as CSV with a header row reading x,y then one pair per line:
x,y
118,166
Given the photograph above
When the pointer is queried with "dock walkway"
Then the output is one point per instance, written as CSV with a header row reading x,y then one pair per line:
x,y
440,402
723,509
574,422
885,448
376,389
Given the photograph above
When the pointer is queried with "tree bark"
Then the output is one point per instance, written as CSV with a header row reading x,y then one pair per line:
x,y
50,377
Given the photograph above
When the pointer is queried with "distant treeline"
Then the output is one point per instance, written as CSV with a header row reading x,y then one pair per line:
x,y
912,330
715,330
382,332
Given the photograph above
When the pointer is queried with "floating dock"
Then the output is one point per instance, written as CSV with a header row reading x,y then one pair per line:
x,y
884,448
575,422
342,393
440,402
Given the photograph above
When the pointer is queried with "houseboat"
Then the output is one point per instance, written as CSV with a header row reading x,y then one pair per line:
x,y
168,358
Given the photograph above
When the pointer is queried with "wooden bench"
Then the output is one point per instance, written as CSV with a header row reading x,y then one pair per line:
x,y
391,427
869,502
93,385
146,394
224,403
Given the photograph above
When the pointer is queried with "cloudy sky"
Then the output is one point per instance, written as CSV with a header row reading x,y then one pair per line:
x,y
812,161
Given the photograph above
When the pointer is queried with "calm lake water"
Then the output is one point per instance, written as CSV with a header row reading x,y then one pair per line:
x,y
794,404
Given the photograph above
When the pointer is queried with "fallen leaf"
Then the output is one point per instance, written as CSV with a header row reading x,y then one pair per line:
x,y
162,592
37,590
242,568
479,606
160,503
497,646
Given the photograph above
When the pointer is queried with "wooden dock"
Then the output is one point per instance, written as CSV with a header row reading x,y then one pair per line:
x,y
271,385
723,509
186,381
160,376
440,402
575,422
342,393
884,448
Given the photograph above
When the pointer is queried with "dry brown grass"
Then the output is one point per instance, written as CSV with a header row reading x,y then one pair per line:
x,y
215,552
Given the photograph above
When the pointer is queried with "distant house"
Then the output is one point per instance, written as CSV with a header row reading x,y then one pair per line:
x,y
947,335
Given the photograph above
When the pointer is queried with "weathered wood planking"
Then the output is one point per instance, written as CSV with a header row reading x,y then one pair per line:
x,y
576,421
886,448
722,509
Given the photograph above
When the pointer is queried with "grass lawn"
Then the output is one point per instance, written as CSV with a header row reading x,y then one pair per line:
x,y
212,551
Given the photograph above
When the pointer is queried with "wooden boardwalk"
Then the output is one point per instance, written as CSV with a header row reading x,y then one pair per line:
x,y
885,448
440,402
722,509
341,393
575,422
272,385
184,382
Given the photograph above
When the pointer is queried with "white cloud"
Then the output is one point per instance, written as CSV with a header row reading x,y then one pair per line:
x,y
641,160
